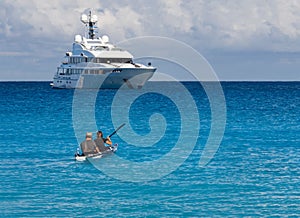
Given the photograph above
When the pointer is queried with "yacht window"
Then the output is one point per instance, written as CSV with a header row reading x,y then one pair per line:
x,y
116,49
60,71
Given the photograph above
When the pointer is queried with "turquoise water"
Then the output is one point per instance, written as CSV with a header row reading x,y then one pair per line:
x,y
255,172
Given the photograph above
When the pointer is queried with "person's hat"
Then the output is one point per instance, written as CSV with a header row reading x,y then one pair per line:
x,y
89,135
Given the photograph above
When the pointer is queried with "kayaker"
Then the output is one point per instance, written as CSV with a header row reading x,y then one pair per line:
x,y
100,142
88,146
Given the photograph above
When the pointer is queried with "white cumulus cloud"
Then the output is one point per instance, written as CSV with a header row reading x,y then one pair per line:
x,y
234,24
32,26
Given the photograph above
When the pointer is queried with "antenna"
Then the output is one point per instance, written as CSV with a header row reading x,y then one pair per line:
x,y
84,18
105,39
94,18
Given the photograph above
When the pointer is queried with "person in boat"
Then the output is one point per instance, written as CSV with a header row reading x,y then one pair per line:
x,y
100,142
88,146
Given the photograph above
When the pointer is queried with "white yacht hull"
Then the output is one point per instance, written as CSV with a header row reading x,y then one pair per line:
x,y
132,78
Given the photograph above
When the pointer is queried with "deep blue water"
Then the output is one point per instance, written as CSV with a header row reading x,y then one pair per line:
x,y
255,172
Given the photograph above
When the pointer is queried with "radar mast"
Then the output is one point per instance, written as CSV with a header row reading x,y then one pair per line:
x,y
90,22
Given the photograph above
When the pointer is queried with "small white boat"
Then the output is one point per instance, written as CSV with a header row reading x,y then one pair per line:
x,y
82,157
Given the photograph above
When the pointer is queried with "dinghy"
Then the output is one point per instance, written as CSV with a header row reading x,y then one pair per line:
x,y
82,157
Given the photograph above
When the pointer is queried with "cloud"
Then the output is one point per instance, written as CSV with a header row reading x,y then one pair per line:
x,y
265,25
33,18
14,54
46,29
254,25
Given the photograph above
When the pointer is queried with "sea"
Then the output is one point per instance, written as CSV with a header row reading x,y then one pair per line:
x,y
247,132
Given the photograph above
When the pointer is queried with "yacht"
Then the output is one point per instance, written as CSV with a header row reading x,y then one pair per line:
x,y
96,63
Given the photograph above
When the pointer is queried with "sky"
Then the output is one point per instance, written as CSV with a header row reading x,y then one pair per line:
x,y
241,39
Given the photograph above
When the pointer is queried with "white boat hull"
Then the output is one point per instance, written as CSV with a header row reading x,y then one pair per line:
x,y
132,78
113,149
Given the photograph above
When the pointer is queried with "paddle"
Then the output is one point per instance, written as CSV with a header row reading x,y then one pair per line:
x,y
116,130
